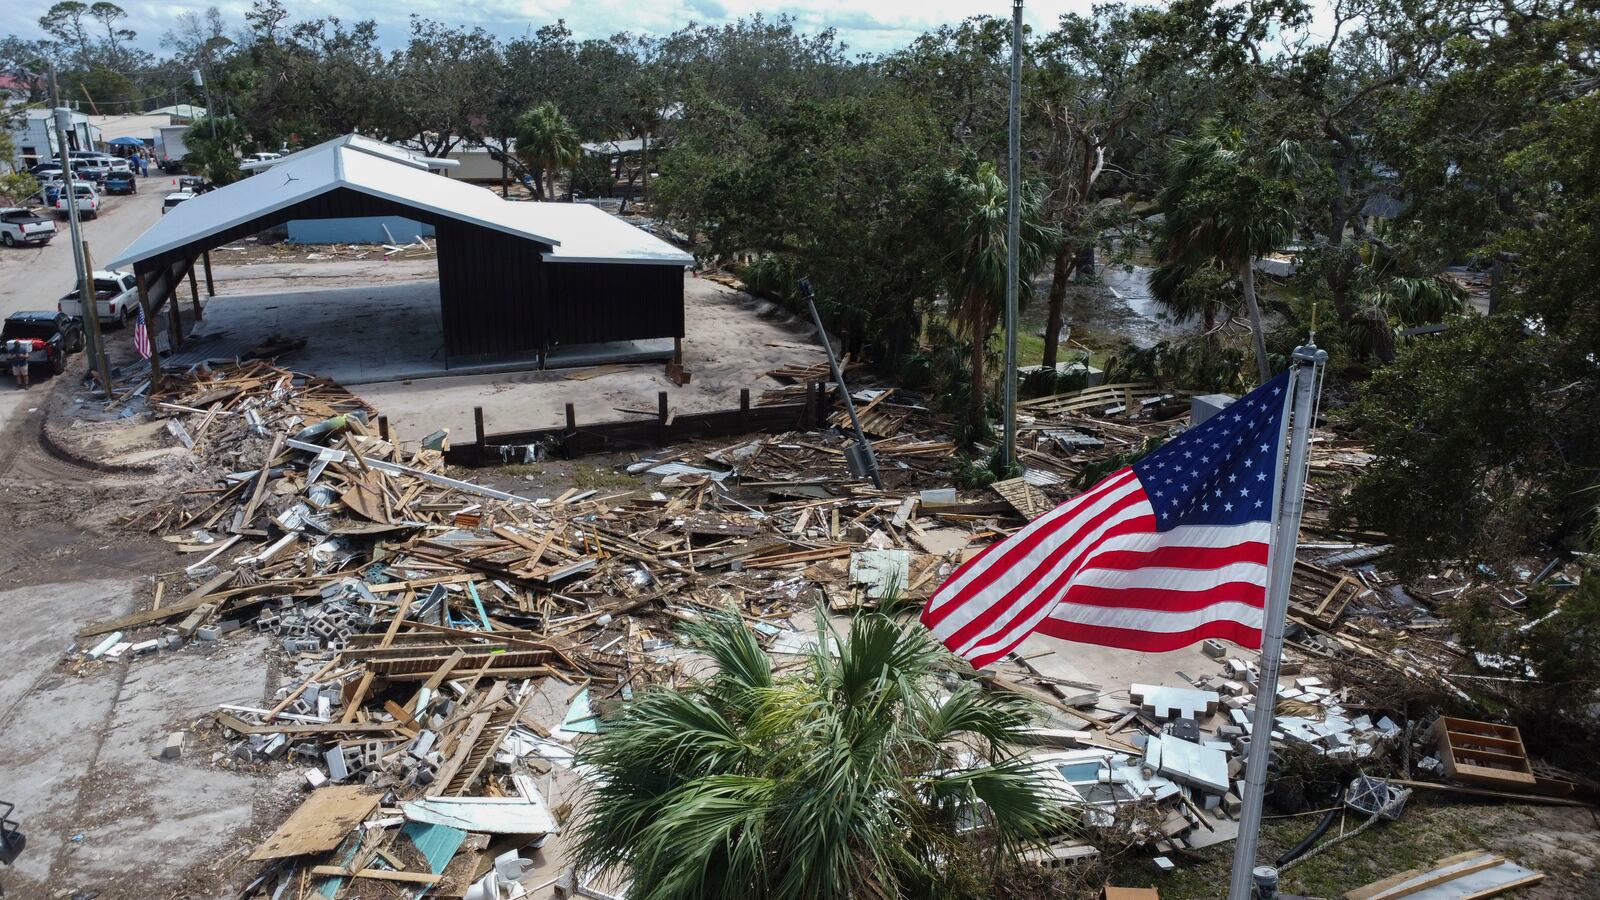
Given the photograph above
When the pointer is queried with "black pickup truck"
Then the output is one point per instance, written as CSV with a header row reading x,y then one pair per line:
x,y
52,334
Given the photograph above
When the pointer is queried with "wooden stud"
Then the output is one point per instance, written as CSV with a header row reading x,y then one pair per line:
x,y
194,293
572,418
477,431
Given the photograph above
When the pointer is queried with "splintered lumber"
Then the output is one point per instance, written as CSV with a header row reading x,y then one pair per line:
x,y
380,874
321,822
187,604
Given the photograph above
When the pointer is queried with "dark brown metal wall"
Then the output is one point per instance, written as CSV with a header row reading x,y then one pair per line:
x,y
497,297
493,288
594,302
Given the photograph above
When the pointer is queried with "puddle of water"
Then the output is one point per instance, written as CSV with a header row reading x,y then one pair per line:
x,y
1117,308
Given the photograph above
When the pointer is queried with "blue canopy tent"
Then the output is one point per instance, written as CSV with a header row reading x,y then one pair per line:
x,y
125,142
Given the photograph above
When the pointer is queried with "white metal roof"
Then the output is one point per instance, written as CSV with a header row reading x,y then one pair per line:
x,y
590,234
392,173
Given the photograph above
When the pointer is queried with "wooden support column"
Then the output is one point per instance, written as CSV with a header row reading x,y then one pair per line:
x,y
194,293
744,408
677,350
661,415
572,418
211,286
149,317
477,429
174,315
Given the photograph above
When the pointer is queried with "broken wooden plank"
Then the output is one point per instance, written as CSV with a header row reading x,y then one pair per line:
x,y
321,822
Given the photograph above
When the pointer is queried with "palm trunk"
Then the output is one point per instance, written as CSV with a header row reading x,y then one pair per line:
x,y
1247,275
1058,297
977,413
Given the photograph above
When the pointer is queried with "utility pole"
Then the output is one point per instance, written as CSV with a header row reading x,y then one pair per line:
x,y
80,256
211,114
1013,234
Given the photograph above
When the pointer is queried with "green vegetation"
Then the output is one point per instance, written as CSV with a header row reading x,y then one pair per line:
x,y
853,777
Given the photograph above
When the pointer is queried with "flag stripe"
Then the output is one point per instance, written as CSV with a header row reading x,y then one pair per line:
x,y
1144,639
1181,557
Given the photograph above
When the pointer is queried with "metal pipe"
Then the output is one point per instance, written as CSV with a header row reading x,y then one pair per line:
x,y
844,391
1013,235
1289,501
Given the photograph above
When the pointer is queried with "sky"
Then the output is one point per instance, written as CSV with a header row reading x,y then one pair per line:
x,y
866,27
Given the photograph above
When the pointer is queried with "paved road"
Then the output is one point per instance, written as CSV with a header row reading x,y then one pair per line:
x,y
34,277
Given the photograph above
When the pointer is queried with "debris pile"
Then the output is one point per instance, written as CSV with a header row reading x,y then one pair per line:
x,y
421,618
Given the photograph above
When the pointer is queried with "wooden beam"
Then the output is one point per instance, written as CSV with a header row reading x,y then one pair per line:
x,y
380,874
211,287
194,293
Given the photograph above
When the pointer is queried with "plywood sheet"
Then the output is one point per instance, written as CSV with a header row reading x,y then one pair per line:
x,y
321,822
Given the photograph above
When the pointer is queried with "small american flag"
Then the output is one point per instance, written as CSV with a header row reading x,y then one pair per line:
x,y
1160,555
141,335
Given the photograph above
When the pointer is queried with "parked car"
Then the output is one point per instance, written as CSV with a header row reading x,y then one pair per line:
x,y
52,335
41,170
263,157
88,200
194,184
50,189
23,226
93,169
173,199
116,297
121,183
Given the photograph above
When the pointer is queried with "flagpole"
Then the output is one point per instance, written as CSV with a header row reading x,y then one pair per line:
x,y
1308,363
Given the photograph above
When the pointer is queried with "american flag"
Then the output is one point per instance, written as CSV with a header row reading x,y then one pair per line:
x,y
141,335
1159,555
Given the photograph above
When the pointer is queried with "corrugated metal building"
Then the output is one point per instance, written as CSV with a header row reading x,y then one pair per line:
x,y
514,277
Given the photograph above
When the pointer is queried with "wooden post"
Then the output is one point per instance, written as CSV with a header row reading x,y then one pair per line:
x,y
149,318
661,415
677,350
809,414
174,315
744,408
194,293
477,429
572,418
211,286
383,428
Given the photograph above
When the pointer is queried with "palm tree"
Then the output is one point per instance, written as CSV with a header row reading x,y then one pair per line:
x,y
1223,207
975,231
546,142
851,778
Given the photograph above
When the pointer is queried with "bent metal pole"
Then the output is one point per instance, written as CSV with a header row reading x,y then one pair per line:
x,y
1290,503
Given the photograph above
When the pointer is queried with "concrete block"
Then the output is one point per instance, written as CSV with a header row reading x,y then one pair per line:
x,y
337,770
1213,648
144,648
174,746
422,744
1205,406
315,778
170,641
208,633
1231,804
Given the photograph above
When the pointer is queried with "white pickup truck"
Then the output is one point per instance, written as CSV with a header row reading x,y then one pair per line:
x,y
88,201
23,226
116,296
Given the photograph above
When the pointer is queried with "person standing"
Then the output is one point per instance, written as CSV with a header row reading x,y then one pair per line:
x,y
17,357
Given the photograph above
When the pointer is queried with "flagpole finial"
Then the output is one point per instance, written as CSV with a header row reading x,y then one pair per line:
x,y
1309,354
